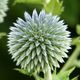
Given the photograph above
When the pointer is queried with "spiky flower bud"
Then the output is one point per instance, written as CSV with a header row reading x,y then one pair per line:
x,y
3,9
38,41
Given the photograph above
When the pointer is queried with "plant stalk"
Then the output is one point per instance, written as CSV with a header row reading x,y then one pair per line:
x,y
71,61
47,75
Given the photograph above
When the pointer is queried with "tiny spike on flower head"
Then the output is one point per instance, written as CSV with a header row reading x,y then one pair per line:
x,y
38,41
3,9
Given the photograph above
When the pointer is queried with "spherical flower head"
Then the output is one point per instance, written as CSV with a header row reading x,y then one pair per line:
x,y
39,41
3,9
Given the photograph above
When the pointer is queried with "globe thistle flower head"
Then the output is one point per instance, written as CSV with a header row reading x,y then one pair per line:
x,y
39,41
3,9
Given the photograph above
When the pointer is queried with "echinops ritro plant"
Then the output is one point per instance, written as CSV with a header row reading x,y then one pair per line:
x,y
39,43
3,9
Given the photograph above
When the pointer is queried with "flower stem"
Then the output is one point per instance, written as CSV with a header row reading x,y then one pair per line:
x,y
47,75
71,61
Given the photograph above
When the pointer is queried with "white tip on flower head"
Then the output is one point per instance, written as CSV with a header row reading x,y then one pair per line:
x,y
42,15
27,16
39,41
35,14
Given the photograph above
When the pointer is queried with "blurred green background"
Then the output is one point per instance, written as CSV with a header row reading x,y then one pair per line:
x,y
71,16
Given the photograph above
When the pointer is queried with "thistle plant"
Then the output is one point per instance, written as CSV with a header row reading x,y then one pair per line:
x,y
39,43
3,9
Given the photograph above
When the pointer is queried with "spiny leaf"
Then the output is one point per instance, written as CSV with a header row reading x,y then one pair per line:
x,y
54,6
63,75
21,71
66,73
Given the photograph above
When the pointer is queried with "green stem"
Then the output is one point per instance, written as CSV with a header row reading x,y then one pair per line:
x,y
71,61
47,75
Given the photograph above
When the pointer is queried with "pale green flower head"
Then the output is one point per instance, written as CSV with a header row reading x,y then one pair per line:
x,y
39,41
3,9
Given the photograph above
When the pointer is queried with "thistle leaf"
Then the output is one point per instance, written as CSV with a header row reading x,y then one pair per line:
x,y
54,6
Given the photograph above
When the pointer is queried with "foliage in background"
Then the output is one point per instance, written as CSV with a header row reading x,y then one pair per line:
x,y
2,34
3,9
70,14
53,6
